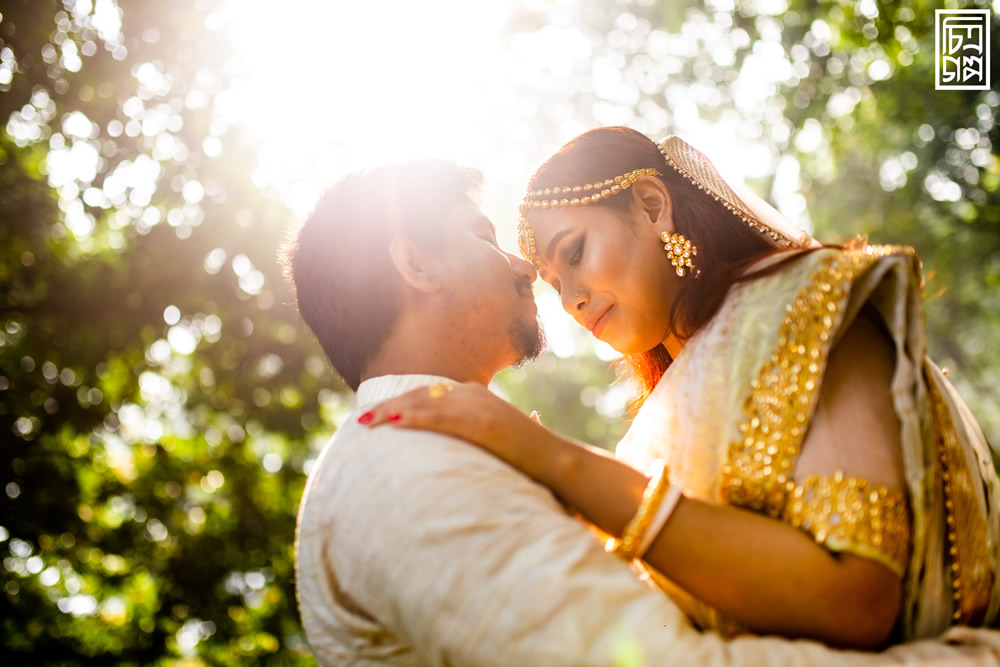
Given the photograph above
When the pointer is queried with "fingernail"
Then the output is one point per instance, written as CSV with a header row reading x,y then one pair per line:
x,y
365,418
395,417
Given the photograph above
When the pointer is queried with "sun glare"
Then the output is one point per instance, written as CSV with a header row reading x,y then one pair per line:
x,y
334,86
331,87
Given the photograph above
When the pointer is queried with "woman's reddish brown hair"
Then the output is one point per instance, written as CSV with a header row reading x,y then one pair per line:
x,y
726,245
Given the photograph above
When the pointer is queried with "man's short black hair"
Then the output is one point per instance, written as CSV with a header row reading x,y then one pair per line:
x,y
345,284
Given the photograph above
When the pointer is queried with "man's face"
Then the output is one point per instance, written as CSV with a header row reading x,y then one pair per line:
x,y
489,291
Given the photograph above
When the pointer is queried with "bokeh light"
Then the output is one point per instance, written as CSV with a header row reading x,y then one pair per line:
x,y
161,405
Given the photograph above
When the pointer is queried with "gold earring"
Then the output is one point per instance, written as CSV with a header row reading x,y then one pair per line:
x,y
680,250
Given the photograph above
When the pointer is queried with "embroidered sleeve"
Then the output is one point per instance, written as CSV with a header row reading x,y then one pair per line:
x,y
850,514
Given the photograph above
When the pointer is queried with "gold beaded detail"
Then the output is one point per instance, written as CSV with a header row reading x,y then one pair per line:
x,y
971,574
680,250
782,398
636,528
526,241
576,195
851,514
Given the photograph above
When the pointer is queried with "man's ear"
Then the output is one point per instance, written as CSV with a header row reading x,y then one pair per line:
x,y
654,203
413,265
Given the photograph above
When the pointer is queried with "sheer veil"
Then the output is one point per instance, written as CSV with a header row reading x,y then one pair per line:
x,y
755,212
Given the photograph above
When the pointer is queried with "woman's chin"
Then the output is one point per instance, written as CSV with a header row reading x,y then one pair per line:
x,y
622,346
627,341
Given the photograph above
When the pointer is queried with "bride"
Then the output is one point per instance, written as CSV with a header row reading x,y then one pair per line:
x,y
798,466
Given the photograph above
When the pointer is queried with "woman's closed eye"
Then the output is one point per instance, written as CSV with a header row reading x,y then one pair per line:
x,y
575,256
577,252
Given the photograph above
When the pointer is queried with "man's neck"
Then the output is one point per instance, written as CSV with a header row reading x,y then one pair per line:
x,y
429,344
406,362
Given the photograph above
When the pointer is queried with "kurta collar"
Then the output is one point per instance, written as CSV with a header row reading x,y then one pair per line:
x,y
382,388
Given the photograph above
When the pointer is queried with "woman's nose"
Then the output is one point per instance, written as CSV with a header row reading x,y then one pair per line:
x,y
573,300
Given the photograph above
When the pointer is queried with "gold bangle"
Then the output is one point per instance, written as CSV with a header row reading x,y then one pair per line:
x,y
636,528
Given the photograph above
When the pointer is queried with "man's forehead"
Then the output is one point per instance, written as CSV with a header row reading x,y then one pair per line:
x,y
470,215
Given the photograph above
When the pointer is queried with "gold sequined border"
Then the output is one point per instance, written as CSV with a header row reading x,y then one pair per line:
x,y
971,575
777,411
853,515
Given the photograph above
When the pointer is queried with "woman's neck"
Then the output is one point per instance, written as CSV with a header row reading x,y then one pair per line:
x,y
673,344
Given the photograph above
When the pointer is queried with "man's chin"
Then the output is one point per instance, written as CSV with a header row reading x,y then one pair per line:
x,y
527,339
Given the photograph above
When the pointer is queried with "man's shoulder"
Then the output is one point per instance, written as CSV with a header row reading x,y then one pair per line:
x,y
354,445
368,476
359,460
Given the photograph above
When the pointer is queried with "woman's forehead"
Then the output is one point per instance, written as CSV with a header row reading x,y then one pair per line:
x,y
548,223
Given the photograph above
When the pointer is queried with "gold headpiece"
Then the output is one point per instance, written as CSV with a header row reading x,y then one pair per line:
x,y
579,195
690,163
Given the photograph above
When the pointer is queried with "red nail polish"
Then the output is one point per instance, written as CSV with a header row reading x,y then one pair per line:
x,y
395,417
365,418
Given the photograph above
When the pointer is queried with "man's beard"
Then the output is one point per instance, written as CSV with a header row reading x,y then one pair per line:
x,y
527,338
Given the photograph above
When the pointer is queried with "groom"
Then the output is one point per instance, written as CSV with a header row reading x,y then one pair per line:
x,y
413,548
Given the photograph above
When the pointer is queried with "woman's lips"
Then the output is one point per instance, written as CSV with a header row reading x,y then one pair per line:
x,y
599,324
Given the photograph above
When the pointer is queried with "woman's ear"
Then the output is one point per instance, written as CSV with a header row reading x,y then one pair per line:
x,y
413,265
653,203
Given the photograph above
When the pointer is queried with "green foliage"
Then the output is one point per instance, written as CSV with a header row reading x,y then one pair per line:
x,y
159,404
159,407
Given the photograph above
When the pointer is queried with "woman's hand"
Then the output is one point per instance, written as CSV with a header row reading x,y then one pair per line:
x,y
473,413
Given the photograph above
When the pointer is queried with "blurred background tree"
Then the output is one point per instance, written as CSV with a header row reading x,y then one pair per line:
x,y
158,401
159,406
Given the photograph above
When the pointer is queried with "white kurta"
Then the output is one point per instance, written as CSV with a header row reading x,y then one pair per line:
x,y
414,548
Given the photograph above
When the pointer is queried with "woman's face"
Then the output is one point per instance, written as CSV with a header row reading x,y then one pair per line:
x,y
610,270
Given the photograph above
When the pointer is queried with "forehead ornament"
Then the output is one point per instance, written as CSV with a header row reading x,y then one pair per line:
x,y
691,164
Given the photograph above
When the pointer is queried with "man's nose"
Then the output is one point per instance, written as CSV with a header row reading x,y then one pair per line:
x,y
522,269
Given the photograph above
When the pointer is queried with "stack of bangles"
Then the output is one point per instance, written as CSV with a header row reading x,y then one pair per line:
x,y
658,503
